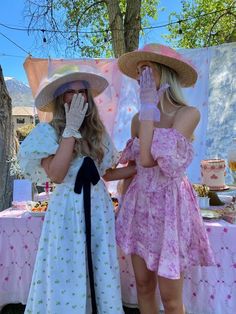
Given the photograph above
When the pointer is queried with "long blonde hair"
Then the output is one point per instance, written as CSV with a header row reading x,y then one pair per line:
x,y
92,129
174,93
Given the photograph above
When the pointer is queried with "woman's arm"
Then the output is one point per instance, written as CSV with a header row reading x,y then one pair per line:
x,y
120,173
57,166
129,171
124,184
145,138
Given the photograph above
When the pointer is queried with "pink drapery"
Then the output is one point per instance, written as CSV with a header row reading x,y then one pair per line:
x,y
37,69
120,101
215,88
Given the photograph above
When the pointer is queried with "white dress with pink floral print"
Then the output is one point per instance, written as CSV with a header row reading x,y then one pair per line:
x,y
159,219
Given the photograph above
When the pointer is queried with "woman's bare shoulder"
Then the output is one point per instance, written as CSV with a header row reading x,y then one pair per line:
x,y
187,112
135,118
186,120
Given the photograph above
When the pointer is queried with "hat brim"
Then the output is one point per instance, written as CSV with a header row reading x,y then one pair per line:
x,y
128,63
44,100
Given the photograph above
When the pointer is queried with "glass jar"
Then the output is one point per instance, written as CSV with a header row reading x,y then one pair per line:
x,y
34,192
232,160
203,202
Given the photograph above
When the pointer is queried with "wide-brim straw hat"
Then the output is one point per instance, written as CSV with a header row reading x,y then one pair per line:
x,y
44,98
161,54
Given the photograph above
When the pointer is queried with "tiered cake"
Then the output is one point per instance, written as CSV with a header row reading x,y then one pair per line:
x,y
213,173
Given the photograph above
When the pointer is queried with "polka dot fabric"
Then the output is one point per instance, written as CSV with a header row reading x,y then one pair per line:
x,y
60,281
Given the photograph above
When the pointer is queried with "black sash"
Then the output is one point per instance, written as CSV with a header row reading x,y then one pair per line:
x,y
86,175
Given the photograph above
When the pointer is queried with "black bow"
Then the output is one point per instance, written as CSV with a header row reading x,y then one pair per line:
x,y
86,175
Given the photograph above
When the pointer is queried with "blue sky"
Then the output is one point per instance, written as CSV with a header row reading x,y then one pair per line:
x,y
12,57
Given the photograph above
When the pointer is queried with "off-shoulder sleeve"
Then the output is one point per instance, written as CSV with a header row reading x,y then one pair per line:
x,y
172,151
111,155
127,154
40,143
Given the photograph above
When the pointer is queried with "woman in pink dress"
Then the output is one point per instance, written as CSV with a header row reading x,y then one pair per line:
x,y
159,222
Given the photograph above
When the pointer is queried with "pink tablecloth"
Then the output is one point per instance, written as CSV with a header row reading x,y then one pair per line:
x,y
19,236
206,290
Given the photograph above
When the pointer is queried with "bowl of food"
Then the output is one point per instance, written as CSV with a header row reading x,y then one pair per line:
x,y
37,208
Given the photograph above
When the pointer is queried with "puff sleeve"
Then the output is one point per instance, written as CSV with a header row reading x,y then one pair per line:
x,y
127,153
40,143
111,155
172,151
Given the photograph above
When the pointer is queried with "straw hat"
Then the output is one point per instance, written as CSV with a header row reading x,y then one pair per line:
x,y
160,54
67,74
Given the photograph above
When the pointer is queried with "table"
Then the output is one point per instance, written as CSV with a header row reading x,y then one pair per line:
x,y
19,236
207,290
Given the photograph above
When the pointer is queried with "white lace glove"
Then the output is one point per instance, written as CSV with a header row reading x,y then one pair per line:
x,y
150,96
75,114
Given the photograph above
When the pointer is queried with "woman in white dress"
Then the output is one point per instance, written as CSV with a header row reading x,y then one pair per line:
x,y
76,268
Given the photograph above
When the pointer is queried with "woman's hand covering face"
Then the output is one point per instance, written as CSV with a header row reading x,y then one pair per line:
x,y
75,113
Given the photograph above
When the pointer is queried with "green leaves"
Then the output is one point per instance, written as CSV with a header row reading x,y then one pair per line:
x,y
203,23
92,28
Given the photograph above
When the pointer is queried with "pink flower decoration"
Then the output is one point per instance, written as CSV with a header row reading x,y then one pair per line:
x,y
214,176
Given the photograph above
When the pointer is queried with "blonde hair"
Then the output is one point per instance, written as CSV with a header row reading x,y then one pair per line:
x,y
174,93
92,129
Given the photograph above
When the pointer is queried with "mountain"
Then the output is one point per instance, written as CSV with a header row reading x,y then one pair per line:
x,y
19,92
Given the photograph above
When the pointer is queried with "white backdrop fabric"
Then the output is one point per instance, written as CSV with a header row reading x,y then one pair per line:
x,y
214,95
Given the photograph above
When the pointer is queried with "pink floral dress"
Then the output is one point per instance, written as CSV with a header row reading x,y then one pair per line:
x,y
159,219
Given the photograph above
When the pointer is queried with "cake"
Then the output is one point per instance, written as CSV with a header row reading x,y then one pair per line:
x,y
213,173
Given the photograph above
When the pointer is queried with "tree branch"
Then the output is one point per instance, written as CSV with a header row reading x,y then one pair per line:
x,y
216,21
87,9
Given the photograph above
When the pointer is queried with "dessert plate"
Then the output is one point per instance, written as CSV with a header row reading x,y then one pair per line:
x,y
210,214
